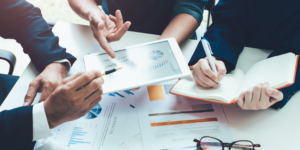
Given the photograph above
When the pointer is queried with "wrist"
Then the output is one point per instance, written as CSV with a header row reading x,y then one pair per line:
x,y
93,13
53,120
61,67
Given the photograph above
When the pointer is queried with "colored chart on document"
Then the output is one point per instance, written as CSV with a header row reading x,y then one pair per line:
x,y
121,94
155,55
94,112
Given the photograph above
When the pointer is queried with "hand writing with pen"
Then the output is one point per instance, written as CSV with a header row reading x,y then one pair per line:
x,y
261,96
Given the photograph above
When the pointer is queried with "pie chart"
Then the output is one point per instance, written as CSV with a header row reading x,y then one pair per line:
x,y
93,113
155,55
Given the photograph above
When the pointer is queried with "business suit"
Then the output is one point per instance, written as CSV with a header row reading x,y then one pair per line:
x,y
23,22
254,23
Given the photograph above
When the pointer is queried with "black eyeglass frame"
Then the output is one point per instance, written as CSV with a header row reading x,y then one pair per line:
x,y
229,145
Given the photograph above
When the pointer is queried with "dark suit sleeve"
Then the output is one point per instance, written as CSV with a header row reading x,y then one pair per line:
x,y
22,21
226,35
291,45
16,128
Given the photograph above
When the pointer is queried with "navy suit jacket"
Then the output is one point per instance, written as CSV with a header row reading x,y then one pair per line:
x,y
22,21
266,24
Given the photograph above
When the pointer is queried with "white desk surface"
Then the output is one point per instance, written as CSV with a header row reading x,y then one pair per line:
x,y
274,130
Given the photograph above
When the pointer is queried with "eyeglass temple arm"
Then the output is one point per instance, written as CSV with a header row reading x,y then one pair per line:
x,y
228,144
240,145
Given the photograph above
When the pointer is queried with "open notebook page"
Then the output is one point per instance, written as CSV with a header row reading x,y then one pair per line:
x,y
278,71
225,93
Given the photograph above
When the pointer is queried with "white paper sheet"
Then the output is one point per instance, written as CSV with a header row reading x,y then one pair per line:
x,y
168,121
132,138
99,129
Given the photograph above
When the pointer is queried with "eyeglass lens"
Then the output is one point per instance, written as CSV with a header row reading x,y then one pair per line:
x,y
242,145
207,143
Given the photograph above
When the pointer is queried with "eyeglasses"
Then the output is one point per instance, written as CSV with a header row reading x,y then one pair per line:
x,y
207,142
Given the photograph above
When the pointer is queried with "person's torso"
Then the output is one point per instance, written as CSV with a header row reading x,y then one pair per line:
x,y
147,16
273,24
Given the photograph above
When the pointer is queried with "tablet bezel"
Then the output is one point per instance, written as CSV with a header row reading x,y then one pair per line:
x,y
185,71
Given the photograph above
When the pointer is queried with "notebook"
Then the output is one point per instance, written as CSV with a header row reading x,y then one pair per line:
x,y
279,71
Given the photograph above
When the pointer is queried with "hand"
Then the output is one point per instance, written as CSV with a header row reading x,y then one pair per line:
x,y
108,29
205,148
46,82
203,74
261,96
135,89
73,98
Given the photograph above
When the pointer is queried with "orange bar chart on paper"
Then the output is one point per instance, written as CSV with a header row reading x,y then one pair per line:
x,y
183,122
156,92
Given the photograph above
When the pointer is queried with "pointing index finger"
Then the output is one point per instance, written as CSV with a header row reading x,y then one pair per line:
x,y
104,44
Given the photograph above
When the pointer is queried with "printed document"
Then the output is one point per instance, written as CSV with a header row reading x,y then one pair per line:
x,y
98,129
168,121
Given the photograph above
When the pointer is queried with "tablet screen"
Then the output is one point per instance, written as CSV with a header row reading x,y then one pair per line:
x,y
139,64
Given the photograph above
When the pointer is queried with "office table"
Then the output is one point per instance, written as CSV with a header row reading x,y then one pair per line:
x,y
273,129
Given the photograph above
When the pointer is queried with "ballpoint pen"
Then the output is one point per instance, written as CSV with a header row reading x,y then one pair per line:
x,y
111,71
208,52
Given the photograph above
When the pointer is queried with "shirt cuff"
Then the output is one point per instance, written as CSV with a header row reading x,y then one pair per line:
x,y
41,127
65,62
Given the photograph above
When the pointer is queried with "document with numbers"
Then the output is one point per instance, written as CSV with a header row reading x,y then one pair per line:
x,y
168,121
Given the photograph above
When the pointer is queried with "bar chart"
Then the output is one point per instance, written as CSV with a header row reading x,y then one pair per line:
x,y
76,137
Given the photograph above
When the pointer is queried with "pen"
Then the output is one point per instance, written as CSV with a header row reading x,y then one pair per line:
x,y
111,71
208,52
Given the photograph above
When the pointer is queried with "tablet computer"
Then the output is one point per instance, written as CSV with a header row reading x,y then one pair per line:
x,y
142,64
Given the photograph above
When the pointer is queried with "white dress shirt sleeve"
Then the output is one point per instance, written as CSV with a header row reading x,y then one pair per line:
x,y
41,127
66,62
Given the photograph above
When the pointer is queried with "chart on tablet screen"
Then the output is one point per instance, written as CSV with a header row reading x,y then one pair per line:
x,y
139,65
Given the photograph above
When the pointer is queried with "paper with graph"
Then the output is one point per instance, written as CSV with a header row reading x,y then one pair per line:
x,y
142,65
168,121
98,129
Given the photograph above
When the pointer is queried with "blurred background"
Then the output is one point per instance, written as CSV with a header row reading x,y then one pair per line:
x,y
52,11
